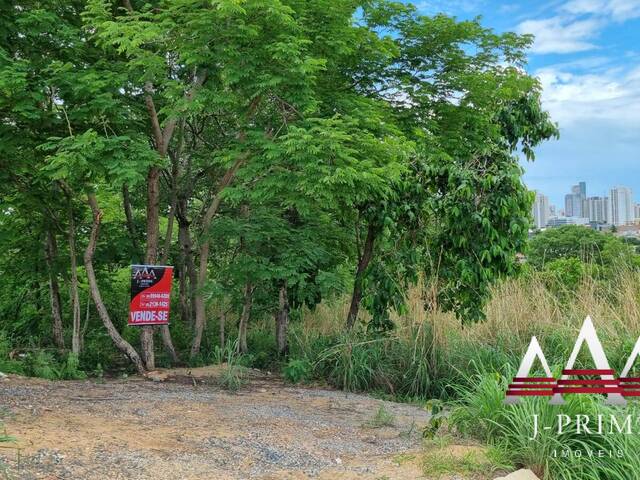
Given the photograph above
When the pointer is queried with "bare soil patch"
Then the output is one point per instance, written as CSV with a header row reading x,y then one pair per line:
x,y
186,427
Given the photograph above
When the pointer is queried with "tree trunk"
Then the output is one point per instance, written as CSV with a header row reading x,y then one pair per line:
x,y
188,278
76,342
164,329
223,321
204,253
173,204
151,257
282,321
363,263
131,226
120,342
244,319
183,282
51,252
199,298
85,326
168,344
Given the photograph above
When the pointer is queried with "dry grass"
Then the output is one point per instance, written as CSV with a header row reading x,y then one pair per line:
x,y
518,309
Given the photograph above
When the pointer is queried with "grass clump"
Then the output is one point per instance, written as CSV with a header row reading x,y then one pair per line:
x,y
233,375
473,462
382,418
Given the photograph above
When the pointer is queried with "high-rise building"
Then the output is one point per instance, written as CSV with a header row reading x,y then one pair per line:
x,y
636,211
573,201
596,209
540,210
621,206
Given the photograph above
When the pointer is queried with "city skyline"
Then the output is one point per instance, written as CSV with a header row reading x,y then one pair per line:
x,y
587,59
618,207
561,186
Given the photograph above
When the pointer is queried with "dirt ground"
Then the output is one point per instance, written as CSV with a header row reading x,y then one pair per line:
x,y
187,427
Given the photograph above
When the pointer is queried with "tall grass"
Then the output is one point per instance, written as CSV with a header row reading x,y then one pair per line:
x,y
424,355
430,354
481,413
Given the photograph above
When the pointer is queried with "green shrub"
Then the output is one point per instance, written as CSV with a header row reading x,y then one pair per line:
x,y
298,370
8,365
42,364
71,368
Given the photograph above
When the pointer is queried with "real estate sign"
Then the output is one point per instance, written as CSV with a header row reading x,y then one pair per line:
x,y
150,295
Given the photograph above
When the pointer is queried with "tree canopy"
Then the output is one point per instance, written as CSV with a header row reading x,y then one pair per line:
x,y
277,152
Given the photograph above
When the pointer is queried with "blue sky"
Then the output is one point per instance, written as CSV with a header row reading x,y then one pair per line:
x,y
587,56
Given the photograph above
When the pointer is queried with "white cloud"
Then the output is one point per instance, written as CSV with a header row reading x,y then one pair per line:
x,y
576,24
561,35
618,10
508,8
612,96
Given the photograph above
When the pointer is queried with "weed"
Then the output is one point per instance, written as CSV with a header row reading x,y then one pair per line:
x,y
382,418
233,375
403,458
470,461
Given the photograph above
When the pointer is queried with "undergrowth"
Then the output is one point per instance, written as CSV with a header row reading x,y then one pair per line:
x,y
481,414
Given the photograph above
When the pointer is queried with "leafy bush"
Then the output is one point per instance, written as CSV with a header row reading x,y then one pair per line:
x,y
71,368
7,365
298,370
565,274
42,364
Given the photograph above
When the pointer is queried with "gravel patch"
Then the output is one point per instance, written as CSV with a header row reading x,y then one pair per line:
x,y
136,429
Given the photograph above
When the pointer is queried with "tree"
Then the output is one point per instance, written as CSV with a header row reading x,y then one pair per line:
x,y
286,141
574,241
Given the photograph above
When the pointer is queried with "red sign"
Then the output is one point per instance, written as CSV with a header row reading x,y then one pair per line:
x,y
150,295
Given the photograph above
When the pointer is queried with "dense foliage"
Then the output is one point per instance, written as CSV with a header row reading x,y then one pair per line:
x,y
279,153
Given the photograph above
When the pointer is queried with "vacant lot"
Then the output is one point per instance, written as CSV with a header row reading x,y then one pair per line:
x,y
187,427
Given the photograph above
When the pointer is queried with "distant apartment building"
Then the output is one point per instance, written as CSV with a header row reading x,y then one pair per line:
x,y
561,221
540,210
596,209
636,211
621,206
573,201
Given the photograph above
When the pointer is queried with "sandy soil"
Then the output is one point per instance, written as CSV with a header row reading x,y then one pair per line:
x,y
186,427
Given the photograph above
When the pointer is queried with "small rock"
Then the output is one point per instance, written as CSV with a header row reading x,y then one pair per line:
x,y
339,461
520,475
157,376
